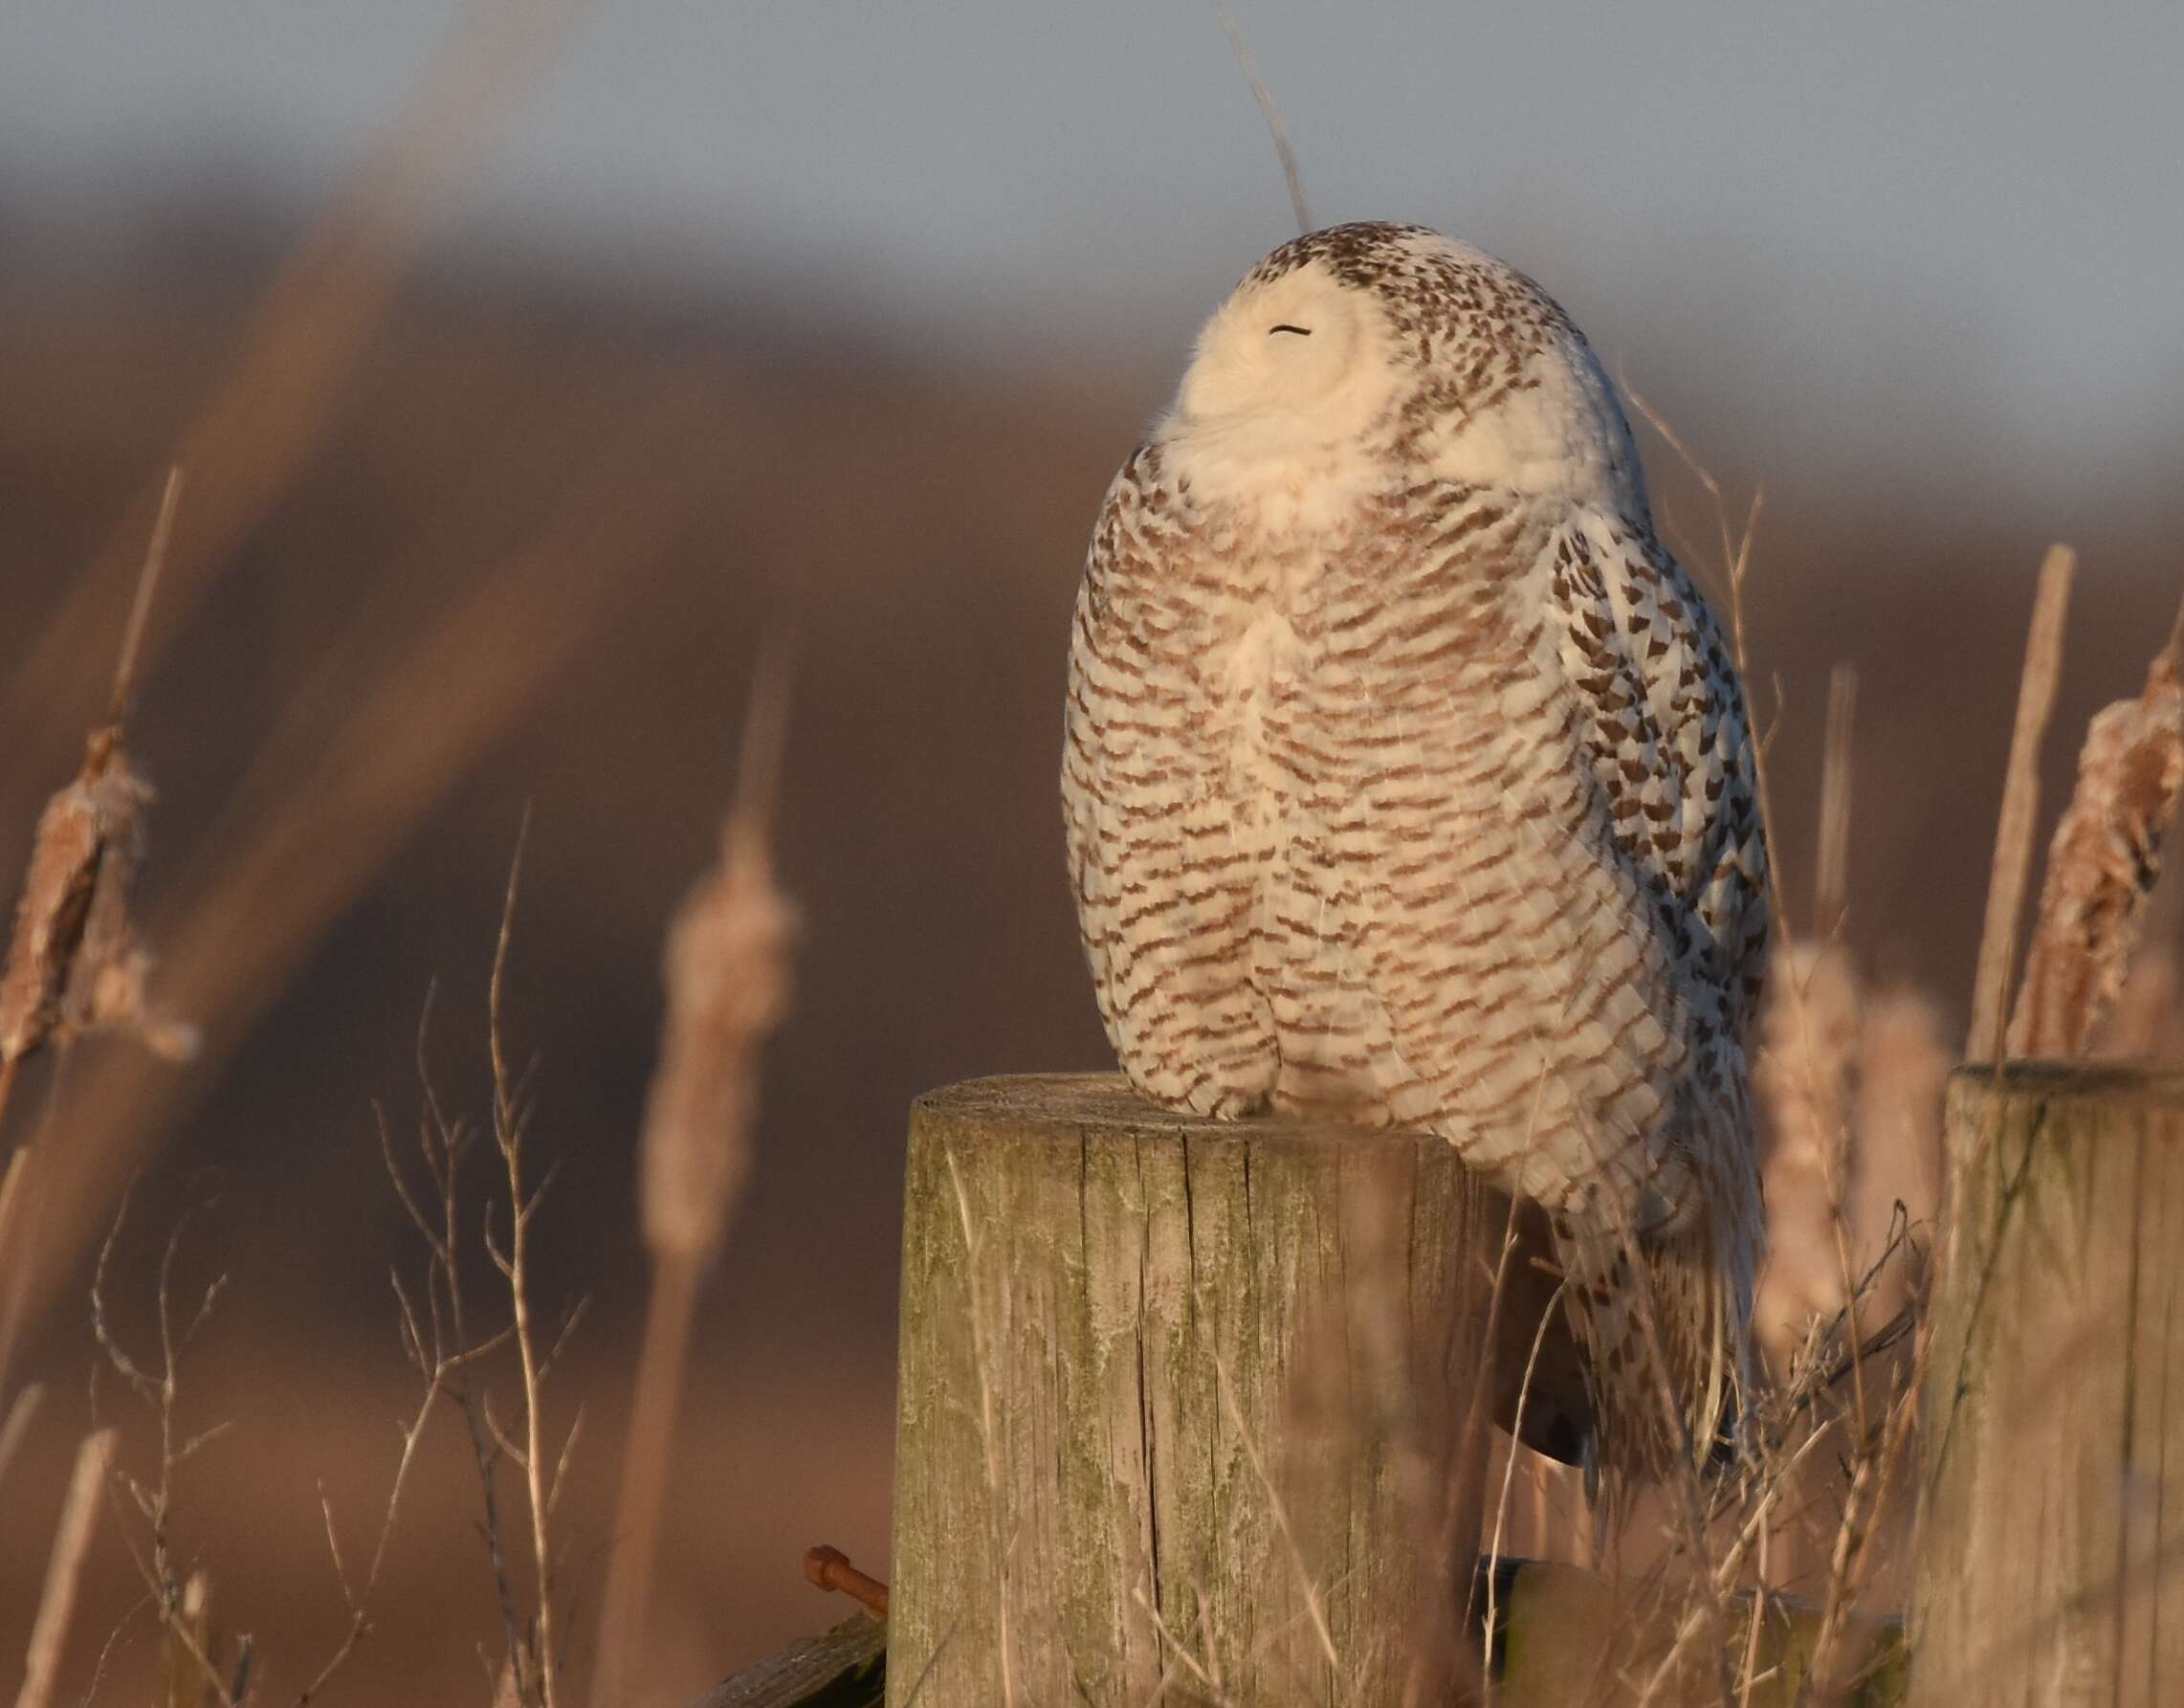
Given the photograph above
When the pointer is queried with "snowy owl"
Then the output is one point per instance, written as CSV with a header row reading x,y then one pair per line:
x,y
1407,781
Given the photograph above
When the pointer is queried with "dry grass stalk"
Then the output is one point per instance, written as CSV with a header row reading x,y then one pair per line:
x,y
1804,1078
72,954
1831,875
2020,806
193,1668
79,1510
1904,1064
541,1483
74,963
17,1251
1292,175
18,1423
283,392
1807,1060
157,1386
375,761
446,1350
1870,1430
439,1338
727,971
437,1363
2103,863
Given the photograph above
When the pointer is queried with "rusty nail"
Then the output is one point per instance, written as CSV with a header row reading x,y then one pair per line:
x,y
830,1569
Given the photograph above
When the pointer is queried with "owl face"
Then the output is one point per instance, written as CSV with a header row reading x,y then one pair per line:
x,y
1370,351
1300,359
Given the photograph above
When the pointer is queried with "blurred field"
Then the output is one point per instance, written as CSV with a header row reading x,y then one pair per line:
x,y
672,471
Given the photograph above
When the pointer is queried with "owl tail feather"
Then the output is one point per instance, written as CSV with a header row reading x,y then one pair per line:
x,y
1664,1323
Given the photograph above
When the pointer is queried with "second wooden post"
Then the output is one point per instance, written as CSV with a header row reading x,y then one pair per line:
x,y
2055,1397
1184,1405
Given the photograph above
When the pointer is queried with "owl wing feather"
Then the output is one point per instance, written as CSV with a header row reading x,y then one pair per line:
x,y
1599,839
1670,742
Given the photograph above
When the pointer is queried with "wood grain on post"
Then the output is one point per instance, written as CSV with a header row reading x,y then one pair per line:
x,y
2053,1567
1184,1405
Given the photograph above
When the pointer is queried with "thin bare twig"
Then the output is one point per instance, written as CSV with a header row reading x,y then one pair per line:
x,y
358,1601
509,1132
1268,111
159,1390
442,1144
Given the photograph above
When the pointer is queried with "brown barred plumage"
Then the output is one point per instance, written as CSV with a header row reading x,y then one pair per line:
x,y
1407,778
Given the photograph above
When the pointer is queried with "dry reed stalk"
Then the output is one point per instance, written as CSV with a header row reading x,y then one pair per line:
x,y
1804,1079
72,941
250,910
2103,863
17,1252
2020,806
283,392
727,974
73,963
1807,1064
18,1423
64,1572
1831,873
1904,1064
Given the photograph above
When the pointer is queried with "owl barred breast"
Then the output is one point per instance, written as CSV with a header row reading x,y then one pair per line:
x,y
1407,779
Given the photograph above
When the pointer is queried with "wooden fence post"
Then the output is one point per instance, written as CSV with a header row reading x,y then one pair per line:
x,y
1182,1402
2052,1569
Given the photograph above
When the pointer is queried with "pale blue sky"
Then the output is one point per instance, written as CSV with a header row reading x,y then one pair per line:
x,y
1855,231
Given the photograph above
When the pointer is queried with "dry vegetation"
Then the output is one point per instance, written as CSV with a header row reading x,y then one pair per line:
x,y
401,697
1809,1534
75,965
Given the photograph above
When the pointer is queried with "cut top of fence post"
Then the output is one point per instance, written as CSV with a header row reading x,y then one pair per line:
x,y
2048,1568
1181,1399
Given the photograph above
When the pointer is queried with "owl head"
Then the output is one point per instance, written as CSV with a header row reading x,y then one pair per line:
x,y
1378,350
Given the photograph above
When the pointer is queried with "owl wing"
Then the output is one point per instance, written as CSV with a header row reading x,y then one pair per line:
x,y
1668,740
1529,824
1528,847
1663,731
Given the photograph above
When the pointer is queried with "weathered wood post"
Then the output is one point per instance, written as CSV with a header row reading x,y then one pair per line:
x,y
2052,1569
1182,1404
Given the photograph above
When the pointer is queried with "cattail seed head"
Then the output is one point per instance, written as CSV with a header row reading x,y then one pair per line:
x,y
728,976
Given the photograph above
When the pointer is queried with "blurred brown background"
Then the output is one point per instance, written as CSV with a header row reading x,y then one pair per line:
x,y
508,532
